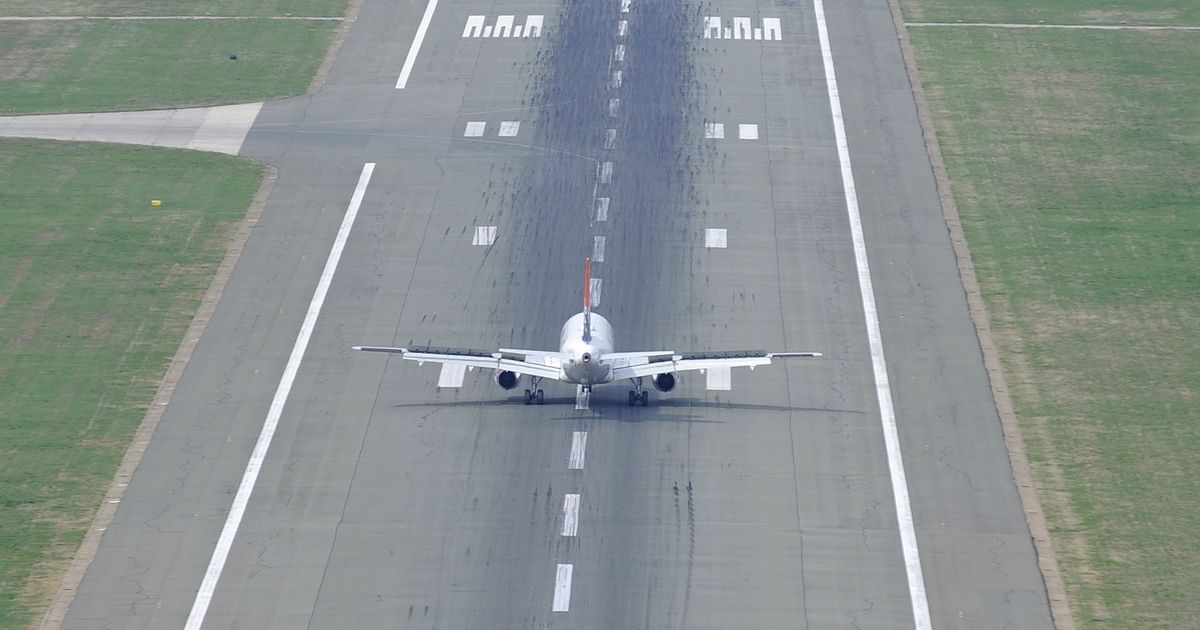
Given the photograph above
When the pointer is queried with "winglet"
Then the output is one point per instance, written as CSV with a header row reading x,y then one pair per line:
x,y
587,299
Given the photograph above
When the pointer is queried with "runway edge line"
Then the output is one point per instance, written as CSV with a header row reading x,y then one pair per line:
x,y
883,390
225,542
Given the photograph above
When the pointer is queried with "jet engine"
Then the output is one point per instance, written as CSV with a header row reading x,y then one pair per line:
x,y
507,379
664,382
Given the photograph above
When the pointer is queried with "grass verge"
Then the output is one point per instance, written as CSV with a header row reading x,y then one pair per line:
x,y
1144,12
110,8
96,289
52,67
1072,161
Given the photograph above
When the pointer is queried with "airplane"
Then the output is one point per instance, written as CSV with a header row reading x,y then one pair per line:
x,y
585,358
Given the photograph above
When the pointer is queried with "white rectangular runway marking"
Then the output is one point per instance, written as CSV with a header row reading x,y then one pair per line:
x,y
718,379
606,169
598,248
509,128
619,52
474,129
748,132
614,105
570,514
615,81
484,235
883,390
451,375
610,138
596,282
714,131
578,450
625,6
601,209
583,398
562,588
233,521
715,237
622,28
416,45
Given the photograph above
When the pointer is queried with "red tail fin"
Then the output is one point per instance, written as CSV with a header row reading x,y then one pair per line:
x,y
587,285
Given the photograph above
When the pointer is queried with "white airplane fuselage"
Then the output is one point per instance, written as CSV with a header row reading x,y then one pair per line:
x,y
584,349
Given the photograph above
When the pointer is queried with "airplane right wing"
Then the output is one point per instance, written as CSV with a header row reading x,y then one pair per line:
x,y
662,363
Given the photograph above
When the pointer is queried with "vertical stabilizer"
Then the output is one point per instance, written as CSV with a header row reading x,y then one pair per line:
x,y
587,299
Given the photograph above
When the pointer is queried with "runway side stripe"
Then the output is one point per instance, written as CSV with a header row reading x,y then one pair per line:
x,y
883,390
242,498
570,514
562,588
416,45
578,449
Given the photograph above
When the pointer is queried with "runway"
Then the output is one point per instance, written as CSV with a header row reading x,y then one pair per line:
x,y
703,174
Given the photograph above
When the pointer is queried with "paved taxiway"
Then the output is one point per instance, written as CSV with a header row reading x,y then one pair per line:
x,y
384,501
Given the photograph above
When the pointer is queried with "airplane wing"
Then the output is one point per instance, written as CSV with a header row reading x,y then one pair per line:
x,y
531,362
661,363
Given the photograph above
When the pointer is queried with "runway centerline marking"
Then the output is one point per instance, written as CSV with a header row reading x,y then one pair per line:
x,y
217,563
570,514
578,450
598,248
883,390
562,588
416,45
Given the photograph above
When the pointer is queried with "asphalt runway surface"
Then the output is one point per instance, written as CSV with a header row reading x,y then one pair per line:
x,y
385,501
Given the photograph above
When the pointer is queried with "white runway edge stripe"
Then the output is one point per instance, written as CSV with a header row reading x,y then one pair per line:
x,y
205,594
883,390
416,45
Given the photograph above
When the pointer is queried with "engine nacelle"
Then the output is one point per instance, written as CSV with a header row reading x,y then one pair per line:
x,y
507,379
664,382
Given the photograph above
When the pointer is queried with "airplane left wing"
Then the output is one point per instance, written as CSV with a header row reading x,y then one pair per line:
x,y
522,362
683,362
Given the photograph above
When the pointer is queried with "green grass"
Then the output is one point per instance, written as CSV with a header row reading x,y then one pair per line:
x,y
48,67
107,8
96,290
1145,12
1073,158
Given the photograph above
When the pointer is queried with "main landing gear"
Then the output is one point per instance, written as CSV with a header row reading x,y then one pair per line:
x,y
535,395
637,394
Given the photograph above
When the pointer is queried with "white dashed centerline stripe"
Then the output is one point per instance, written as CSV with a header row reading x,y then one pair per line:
x,y
578,450
234,520
883,390
598,249
562,588
606,171
601,209
595,290
416,45
610,139
570,514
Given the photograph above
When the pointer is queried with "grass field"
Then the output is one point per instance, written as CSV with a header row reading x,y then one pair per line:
x,y
50,67
96,289
1073,159
1144,12
108,8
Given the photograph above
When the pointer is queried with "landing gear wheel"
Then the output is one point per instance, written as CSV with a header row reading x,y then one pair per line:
x,y
528,397
633,397
645,399
541,397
